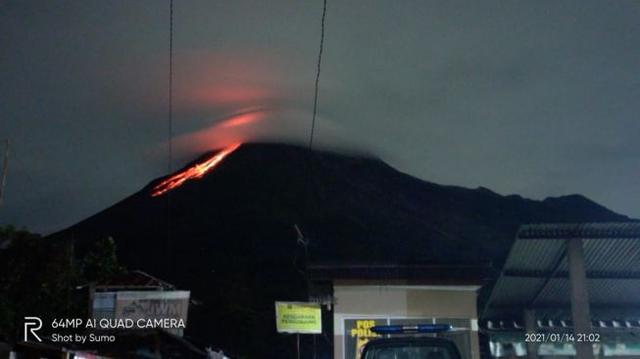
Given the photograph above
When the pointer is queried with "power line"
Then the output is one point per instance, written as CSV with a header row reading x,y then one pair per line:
x,y
5,169
170,132
309,162
300,238
310,171
315,95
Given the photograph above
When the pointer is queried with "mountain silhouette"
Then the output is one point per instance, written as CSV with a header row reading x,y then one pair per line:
x,y
229,236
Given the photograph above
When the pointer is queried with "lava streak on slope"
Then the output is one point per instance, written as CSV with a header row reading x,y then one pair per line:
x,y
196,171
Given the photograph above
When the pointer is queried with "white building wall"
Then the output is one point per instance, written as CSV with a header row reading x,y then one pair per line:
x,y
403,301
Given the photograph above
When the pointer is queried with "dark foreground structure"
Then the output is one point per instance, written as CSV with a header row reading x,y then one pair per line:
x,y
575,285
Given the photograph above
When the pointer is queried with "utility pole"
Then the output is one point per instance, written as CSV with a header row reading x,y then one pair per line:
x,y
5,168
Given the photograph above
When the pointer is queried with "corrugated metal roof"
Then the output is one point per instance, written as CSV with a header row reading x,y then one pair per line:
x,y
534,255
614,292
536,270
580,230
517,291
622,256
556,291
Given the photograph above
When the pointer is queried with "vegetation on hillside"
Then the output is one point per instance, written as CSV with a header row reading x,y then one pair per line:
x,y
42,277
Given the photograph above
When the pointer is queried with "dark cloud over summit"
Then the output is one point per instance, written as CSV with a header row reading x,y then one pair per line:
x,y
535,98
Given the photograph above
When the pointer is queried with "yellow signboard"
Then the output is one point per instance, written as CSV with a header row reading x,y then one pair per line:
x,y
298,317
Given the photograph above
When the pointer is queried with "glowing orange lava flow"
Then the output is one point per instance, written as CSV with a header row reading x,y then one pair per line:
x,y
196,171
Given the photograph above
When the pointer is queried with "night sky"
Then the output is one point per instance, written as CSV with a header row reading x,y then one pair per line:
x,y
538,98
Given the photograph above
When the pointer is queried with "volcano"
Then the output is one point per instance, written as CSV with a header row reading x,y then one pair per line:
x,y
227,231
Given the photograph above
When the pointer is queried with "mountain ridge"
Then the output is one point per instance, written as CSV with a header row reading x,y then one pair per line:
x,y
333,175
230,236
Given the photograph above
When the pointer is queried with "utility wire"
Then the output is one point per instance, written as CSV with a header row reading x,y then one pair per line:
x,y
315,106
170,133
309,163
310,177
5,169
170,130
315,95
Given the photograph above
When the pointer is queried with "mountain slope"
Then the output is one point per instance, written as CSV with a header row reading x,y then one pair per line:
x,y
352,202
232,239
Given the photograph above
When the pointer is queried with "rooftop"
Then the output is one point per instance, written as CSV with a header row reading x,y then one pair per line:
x,y
536,273
135,280
409,274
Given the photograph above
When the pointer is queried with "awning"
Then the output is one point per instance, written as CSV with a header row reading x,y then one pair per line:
x,y
536,272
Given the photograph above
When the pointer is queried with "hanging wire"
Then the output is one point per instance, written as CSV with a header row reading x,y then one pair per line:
x,y
310,170
315,95
170,129
301,238
5,169
310,159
